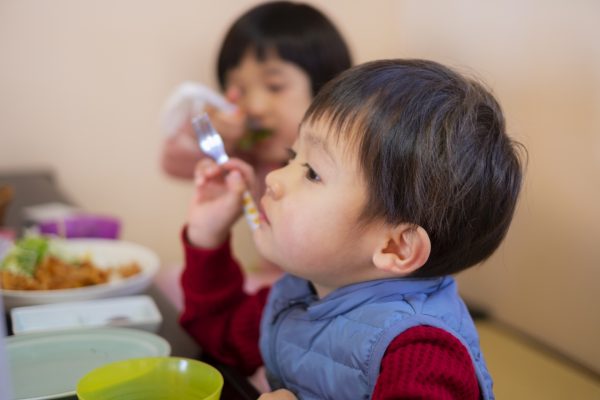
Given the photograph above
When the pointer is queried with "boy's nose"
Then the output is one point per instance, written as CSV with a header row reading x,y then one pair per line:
x,y
256,106
274,188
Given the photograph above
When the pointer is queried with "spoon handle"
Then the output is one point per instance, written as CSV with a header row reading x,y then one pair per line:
x,y
250,211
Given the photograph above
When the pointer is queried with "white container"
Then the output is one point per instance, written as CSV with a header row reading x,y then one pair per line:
x,y
131,312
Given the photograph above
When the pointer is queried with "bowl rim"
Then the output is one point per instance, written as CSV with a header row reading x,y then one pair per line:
x,y
166,359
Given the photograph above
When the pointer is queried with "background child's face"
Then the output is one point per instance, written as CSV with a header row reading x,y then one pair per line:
x,y
274,94
312,207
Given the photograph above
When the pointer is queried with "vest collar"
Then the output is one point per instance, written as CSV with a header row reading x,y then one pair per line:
x,y
346,298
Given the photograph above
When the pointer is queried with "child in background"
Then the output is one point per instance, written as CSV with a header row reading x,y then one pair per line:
x,y
402,175
273,60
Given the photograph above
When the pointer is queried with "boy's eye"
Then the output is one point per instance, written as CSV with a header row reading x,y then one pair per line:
x,y
311,175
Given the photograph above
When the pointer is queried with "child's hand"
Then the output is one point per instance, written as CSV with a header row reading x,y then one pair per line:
x,y
231,125
217,201
190,99
280,394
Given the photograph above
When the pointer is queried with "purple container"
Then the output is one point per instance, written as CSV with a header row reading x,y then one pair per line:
x,y
82,226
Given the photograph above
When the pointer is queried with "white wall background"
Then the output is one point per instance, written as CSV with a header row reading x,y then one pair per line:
x,y
82,83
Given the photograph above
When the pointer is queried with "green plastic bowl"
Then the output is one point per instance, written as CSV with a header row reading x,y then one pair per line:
x,y
152,378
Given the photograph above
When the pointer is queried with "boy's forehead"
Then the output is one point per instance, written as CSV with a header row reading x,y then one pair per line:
x,y
318,136
314,135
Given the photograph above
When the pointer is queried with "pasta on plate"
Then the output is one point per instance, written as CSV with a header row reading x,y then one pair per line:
x,y
33,264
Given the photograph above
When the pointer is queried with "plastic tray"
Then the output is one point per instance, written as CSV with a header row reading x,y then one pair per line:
x,y
131,312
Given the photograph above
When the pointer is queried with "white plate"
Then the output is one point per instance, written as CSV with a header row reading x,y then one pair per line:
x,y
127,312
49,365
104,253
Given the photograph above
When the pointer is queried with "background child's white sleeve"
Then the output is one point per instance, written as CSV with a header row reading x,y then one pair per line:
x,y
188,100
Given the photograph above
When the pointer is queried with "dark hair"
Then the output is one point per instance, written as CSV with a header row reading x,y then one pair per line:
x,y
434,152
299,34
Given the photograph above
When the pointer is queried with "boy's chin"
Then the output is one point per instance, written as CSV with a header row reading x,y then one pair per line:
x,y
273,261
267,253
259,241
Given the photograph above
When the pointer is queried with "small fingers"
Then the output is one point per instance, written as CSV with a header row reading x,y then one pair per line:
x,y
235,174
244,168
206,169
230,125
235,182
281,394
211,110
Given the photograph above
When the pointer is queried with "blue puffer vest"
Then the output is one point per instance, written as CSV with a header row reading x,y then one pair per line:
x,y
332,348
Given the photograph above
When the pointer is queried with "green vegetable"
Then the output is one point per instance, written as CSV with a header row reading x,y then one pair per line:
x,y
26,255
252,137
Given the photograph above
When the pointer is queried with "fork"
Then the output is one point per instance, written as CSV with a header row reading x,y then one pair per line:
x,y
211,144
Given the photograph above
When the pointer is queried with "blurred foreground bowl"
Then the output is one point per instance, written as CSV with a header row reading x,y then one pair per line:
x,y
152,378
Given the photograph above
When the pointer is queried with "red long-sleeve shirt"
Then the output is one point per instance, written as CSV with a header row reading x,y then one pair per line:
x,y
421,363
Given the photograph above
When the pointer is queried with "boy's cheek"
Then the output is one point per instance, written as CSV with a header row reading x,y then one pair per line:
x,y
297,242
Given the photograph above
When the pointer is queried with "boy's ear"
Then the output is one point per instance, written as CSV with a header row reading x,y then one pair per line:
x,y
403,249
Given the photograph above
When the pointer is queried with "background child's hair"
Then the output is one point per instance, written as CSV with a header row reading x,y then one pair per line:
x,y
298,33
434,152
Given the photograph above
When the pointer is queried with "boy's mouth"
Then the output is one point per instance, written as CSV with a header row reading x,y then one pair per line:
x,y
263,218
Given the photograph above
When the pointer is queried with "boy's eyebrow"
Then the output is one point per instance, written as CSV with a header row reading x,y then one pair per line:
x,y
320,143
